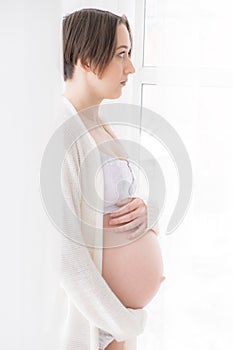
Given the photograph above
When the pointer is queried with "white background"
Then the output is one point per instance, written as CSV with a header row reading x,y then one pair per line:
x,y
191,85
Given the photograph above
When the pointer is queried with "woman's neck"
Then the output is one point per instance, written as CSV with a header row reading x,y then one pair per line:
x,y
81,98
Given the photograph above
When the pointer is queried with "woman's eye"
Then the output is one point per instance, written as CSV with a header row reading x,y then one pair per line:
x,y
121,54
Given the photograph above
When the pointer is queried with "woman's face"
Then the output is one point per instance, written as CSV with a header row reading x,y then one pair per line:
x,y
115,75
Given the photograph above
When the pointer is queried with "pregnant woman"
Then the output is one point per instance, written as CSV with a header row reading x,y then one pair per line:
x,y
97,49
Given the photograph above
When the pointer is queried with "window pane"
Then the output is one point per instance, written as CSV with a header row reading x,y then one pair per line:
x,y
171,33
181,111
151,34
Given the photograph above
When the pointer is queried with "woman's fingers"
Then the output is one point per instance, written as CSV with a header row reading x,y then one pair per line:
x,y
129,212
129,226
127,217
132,217
129,205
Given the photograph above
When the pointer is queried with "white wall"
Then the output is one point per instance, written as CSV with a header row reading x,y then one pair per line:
x,y
29,90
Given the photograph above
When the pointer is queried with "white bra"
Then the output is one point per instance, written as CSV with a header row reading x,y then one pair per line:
x,y
119,181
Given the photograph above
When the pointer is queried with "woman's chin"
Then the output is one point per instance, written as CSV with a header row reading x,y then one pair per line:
x,y
114,96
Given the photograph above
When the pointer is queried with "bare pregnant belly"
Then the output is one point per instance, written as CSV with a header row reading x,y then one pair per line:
x,y
134,271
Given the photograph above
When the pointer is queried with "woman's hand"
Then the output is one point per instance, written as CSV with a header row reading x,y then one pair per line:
x,y
133,216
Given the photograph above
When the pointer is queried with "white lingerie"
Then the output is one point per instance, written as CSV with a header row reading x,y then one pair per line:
x,y
119,180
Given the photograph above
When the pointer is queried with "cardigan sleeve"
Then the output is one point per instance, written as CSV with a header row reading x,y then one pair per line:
x,y
80,278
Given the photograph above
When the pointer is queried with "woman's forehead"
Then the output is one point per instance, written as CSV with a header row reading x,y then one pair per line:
x,y
123,39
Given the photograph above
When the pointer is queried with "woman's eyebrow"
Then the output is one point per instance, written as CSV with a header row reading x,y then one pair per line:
x,y
122,47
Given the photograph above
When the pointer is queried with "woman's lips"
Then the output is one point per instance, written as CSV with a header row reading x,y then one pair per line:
x,y
123,82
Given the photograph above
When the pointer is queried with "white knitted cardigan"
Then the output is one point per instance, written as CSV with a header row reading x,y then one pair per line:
x,y
92,305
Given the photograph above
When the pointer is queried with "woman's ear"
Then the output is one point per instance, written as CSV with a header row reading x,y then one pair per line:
x,y
84,67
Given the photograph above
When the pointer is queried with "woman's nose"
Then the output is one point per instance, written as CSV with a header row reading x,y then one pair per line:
x,y
129,69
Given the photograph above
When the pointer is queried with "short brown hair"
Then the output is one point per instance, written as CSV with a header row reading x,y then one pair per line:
x,y
90,35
